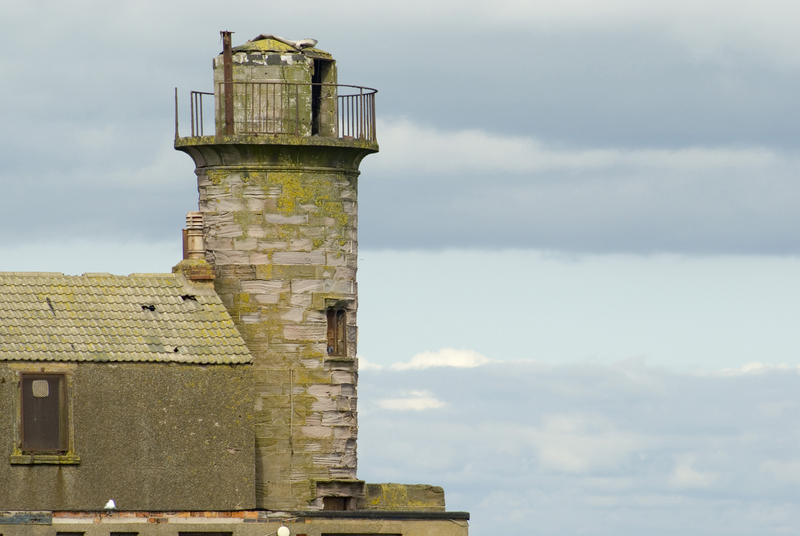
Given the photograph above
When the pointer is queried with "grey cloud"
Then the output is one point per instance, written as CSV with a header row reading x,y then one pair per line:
x,y
610,210
651,451
91,102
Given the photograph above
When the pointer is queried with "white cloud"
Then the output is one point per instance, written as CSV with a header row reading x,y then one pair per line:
x,y
577,443
409,145
588,449
685,475
446,357
412,401
364,364
756,367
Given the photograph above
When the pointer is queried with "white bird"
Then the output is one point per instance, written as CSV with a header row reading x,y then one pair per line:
x,y
110,505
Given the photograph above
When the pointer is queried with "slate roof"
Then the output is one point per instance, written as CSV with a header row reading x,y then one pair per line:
x,y
103,317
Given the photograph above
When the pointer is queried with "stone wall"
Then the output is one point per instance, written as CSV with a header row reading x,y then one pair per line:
x,y
281,233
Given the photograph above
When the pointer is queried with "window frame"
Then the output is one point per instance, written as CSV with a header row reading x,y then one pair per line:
x,y
336,333
23,454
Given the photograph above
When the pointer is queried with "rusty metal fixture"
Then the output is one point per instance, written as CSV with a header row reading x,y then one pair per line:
x,y
197,119
227,76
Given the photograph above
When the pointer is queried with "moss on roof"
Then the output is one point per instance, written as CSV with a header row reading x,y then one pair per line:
x,y
273,45
104,317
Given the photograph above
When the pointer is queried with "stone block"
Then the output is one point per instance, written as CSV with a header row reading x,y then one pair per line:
x,y
304,332
300,286
298,219
338,418
245,244
259,258
335,259
316,432
345,273
271,245
226,204
404,497
231,257
293,314
256,231
303,300
301,244
298,257
340,377
227,230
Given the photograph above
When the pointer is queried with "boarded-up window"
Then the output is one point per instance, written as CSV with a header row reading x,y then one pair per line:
x,y
337,331
43,413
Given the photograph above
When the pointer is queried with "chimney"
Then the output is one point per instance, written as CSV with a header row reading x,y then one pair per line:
x,y
193,244
194,265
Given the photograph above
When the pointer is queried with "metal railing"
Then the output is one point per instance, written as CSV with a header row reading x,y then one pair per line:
x,y
286,108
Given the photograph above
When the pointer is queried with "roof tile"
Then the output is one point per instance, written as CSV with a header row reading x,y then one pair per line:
x,y
103,317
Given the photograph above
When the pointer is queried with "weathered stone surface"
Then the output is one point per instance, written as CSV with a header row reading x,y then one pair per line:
x,y
281,218
404,497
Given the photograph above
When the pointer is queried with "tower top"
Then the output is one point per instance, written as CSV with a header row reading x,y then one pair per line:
x,y
276,90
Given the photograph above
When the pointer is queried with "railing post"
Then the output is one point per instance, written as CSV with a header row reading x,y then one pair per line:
x,y
176,113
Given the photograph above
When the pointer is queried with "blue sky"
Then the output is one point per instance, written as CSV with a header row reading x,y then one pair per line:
x,y
584,217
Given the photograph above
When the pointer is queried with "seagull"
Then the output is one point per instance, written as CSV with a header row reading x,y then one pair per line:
x,y
110,505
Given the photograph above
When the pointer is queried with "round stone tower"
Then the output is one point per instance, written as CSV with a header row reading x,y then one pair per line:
x,y
277,176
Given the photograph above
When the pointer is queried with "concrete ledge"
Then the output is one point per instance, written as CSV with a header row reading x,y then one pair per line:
x,y
382,514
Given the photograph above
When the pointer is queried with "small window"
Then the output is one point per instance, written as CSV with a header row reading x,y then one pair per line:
x,y
337,331
43,415
42,426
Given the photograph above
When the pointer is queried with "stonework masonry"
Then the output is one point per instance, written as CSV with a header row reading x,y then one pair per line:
x,y
280,229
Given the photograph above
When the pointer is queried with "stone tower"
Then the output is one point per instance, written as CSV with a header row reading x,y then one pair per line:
x,y
277,180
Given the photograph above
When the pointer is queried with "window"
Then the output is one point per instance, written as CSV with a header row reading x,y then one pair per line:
x,y
337,331
43,427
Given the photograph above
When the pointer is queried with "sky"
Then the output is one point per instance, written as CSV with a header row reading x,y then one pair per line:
x,y
584,218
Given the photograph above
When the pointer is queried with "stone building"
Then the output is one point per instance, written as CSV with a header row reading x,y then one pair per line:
x,y
218,399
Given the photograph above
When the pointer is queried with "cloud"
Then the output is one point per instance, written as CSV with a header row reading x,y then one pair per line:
x,y
413,401
783,470
446,357
471,188
589,449
578,443
364,364
685,475
756,367
407,145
